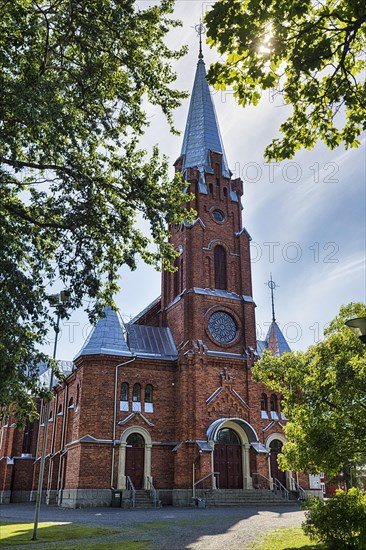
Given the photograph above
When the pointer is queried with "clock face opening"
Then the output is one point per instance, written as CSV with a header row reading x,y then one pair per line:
x,y
222,327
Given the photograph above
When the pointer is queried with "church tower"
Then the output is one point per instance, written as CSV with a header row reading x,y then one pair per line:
x,y
209,297
208,306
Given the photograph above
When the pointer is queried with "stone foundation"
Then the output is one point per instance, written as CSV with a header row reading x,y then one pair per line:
x,y
85,498
182,497
5,497
20,496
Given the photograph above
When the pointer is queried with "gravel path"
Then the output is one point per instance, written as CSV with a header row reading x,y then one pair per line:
x,y
170,528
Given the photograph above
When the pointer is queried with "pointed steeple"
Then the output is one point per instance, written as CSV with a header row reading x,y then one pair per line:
x,y
107,337
202,133
275,341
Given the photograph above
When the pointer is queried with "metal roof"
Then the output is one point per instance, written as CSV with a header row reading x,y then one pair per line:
x,y
107,337
154,342
202,133
66,367
274,342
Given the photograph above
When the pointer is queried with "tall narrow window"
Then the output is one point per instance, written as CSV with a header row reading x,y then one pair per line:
x,y
274,414
264,413
77,397
220,268
177,265
28,436
136,397
149,398
123,402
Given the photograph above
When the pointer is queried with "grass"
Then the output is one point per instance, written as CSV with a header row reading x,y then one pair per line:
x,y
286,539
14,534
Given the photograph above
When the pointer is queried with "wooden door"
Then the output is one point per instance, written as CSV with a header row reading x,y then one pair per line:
x,y
228,460
276,447
135,458
135,465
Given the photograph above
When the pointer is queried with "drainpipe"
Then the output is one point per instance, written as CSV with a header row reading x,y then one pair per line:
x,y
62,441
115,413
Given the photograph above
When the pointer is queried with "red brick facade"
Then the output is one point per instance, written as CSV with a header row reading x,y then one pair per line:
x,y
200,397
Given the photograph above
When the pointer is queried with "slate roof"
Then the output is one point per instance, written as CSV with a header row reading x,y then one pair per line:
x,y
202,133
155,342
111,337
107,337
66,367
274,341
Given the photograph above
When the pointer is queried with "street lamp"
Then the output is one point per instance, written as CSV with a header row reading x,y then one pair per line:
x,y
358,325
55,300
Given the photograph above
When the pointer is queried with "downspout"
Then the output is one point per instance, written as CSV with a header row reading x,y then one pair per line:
x,y
50,464
62,442
115,413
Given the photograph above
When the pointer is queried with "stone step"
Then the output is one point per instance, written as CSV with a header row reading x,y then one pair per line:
x,y
242,498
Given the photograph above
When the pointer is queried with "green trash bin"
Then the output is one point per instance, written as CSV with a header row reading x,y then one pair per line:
x,y
116,498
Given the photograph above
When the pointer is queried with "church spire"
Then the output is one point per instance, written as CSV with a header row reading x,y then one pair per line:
x,y
202,133
272,285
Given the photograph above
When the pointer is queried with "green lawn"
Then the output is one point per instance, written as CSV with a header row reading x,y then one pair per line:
x,y
286,539
14,534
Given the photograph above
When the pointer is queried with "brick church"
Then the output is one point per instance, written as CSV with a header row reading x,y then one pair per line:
x,y
167,403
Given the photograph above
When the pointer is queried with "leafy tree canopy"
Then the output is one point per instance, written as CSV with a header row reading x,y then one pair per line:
x,y
311,52
74,80
324,391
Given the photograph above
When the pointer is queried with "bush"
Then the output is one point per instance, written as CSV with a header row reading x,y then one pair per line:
x,y
340,522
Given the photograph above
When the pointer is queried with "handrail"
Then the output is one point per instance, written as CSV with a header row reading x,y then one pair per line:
x,y
277,486
266,484
131,488
299,489
203,479
153,492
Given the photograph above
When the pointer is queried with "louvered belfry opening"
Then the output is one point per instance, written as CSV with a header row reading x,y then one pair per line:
x,y
220,268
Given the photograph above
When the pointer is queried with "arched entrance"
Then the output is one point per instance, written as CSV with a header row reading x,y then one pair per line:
x,y
276,473
135,455
228,462
135,458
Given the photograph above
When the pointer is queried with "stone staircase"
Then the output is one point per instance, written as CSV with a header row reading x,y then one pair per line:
x,y
242,497
143,499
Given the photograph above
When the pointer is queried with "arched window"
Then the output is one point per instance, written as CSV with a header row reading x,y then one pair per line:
x,y
220,268
59,412
50,416
149,398
124,391
177,276
28,438
282,414
274,414
136,397
264,413
225,192
123,402
77,396
211,188
70,420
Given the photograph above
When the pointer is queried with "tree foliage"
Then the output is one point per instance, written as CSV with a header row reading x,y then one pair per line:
x,y
310,52
324,391
74,79
339,523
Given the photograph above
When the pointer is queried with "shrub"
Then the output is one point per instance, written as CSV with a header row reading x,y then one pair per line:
x,y
340,522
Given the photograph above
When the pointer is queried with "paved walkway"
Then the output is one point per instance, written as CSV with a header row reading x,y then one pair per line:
x,y
170,528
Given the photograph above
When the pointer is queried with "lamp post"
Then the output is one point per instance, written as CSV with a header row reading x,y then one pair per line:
x,y
56,300
358,325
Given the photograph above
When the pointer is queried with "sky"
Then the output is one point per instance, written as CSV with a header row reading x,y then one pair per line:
x,y
306,216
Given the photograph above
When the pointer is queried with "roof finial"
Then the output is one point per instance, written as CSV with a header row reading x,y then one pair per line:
x,y
200,31
272,285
